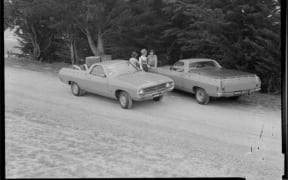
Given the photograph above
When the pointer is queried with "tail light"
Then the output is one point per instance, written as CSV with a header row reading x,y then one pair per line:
x,y
222,89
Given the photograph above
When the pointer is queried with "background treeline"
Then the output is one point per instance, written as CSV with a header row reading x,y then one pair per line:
x,y
240,34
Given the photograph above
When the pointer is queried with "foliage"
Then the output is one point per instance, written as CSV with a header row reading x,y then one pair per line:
x,y
240,34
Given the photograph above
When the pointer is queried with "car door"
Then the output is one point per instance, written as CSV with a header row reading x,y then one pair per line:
x,y
97,80
191,78
176,73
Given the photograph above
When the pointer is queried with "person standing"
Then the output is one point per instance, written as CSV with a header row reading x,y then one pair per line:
x,y
133,60
152,59
143,60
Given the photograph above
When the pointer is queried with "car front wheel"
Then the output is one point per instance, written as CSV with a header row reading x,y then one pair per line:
x,y
201,96
76,90
125,100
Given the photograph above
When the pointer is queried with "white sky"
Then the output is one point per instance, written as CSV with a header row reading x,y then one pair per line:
x,y
10,41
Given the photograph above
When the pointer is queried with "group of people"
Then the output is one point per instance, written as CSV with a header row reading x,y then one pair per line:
x,y
144,62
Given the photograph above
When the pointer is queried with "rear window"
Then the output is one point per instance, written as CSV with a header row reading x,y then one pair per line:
x,y
203,64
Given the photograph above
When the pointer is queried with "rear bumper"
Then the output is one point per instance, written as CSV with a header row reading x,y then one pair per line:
x,y
237,93
151,95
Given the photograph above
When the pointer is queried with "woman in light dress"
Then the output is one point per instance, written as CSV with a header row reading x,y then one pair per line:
x,y
133,60
144,66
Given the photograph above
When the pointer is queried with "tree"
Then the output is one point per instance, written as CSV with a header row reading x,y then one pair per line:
x,y
96,17
257,46
30,19
241,34
137,27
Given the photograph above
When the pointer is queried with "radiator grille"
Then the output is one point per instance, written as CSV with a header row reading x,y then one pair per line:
x,y
155,88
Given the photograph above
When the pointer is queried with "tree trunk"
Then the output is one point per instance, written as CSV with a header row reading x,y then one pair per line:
x,y
36,48
180,55
76,58
72,52
91,43
33,37
100,46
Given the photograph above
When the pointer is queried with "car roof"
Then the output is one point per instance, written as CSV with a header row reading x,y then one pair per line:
x,y
196,60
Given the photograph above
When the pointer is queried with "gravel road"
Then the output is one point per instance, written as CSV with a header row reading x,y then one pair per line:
x,y
51,133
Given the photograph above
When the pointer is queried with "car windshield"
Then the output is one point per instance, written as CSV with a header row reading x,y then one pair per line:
x,y
203,65
121,68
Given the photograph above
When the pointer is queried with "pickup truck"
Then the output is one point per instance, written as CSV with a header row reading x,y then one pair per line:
x,y
206,78
117,79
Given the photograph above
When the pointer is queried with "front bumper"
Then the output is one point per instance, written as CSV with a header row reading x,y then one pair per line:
x,y
152,95
237,93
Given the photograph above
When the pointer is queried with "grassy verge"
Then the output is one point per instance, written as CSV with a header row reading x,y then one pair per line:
x,y
26,63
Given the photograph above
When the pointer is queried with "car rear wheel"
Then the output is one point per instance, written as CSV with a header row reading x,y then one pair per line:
x,y
159,98
125,100
201,96
76,90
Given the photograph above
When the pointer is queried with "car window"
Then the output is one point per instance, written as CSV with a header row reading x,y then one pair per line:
x,y
98,71
203,64
121,68
178,66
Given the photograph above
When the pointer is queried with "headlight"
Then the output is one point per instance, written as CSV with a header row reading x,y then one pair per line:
x,y
140,91
170,84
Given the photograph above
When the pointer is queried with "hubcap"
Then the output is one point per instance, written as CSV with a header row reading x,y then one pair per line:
x,y
200,95
122,100
75,89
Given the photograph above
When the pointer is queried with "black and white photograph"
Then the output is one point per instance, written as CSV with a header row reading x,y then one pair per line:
x,y
143,89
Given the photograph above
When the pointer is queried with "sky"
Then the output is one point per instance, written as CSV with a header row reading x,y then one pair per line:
x,y
10,41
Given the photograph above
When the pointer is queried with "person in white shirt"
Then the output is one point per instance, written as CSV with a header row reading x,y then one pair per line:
x,y
133,60
143,60
152,59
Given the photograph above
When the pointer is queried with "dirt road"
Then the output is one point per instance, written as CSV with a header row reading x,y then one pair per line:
x,y
51,133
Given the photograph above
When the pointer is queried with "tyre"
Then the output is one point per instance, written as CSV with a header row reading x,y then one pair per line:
x,y
125,100
159,98
234,98
76,90
201,96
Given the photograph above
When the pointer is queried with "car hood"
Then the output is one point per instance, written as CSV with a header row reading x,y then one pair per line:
x,y
222,73
143,79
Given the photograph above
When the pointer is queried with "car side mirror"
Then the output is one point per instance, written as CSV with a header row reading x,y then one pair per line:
x,y
103,75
